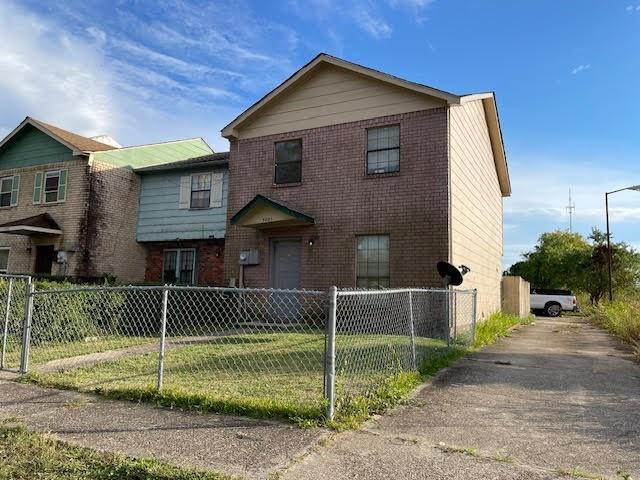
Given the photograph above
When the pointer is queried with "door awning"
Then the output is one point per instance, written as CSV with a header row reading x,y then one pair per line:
x,y
263,212
42,224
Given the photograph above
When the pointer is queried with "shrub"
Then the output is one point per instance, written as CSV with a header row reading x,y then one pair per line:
x,y
621,317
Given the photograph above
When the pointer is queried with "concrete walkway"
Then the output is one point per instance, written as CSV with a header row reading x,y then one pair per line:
x,y
560,395
237,446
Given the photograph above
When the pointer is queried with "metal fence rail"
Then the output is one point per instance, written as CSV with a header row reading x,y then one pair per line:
x,y
289,349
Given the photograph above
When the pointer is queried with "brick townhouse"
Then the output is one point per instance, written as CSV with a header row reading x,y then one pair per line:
x,y
347,176
69,204
182,219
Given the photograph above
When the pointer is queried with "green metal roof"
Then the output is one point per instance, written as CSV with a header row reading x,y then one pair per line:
x,y
154,154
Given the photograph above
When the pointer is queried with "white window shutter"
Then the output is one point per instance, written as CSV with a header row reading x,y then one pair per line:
x,y
185,192
217,180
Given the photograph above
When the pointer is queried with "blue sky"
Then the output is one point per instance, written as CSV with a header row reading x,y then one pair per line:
x,y
565,74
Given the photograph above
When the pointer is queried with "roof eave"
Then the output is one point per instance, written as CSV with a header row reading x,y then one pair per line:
x,y
495,133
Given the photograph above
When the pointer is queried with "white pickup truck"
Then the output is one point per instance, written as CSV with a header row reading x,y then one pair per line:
x,y
553,302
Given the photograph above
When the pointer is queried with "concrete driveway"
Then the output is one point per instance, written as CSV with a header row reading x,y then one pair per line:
x,y
556,397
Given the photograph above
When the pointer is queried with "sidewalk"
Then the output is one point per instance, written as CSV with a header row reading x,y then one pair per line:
x,y
233,445
559,395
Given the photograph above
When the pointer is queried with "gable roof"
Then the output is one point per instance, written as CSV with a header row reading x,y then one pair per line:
x,y
261,200
323,58
37,224
77,143
154,154
488,100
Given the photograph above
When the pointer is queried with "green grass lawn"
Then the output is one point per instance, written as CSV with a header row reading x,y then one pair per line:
x,y
45,352
25,455
260,374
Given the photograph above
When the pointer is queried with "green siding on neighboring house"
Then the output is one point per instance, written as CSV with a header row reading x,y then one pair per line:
x,y
148,155
160,217
31,147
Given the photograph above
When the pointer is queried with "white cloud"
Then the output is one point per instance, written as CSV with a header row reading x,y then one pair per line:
x,y
370,22
125,72
580,68
633,8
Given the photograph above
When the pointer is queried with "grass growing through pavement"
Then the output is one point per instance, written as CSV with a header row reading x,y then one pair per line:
x,y
268,375
26,455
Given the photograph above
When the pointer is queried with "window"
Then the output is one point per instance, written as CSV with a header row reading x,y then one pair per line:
x,y
52,188
288,161
372,262
6,185
4,260
179,266
200,190
383,149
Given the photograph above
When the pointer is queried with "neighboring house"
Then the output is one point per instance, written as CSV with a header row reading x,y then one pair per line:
x,y
182,219
69,204
347,176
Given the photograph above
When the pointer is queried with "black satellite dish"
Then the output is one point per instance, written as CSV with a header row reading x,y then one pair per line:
x,y
450,274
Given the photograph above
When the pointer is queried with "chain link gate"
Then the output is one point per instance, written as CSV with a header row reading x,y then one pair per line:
x,y
14,294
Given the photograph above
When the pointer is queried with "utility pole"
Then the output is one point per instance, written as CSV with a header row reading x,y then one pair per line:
x,y
571,208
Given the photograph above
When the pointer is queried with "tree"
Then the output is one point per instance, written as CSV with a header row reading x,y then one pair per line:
x,y
555,262
568,260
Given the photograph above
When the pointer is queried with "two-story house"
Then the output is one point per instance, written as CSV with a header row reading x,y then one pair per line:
x,y
347,176
69,204
182,219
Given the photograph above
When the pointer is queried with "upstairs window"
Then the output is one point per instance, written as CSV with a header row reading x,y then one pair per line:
x,y
383,149
50,187
288,162
200,190
372,261
6,185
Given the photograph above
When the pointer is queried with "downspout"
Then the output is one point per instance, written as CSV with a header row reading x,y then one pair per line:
x,y
449,195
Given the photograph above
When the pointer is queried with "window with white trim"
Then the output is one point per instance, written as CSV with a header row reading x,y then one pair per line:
x,y
6,185
51,186
372,261
4,259
178,266
383,149
200,190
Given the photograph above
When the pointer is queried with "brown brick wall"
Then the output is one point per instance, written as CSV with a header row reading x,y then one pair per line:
x,y
411,206
209,260
110,226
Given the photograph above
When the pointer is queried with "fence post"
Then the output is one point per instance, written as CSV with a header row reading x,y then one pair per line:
x,y
413,333
26,332
163,334
474,312
455,315
5,330
330,354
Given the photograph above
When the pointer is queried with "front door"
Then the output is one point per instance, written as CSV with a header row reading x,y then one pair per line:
x,y
285,264
45,255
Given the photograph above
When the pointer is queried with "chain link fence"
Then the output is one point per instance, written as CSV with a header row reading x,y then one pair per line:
x,y
293,351
13,300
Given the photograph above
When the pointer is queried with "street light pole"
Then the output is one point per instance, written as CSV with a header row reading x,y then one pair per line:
x,y
609,261
609,256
